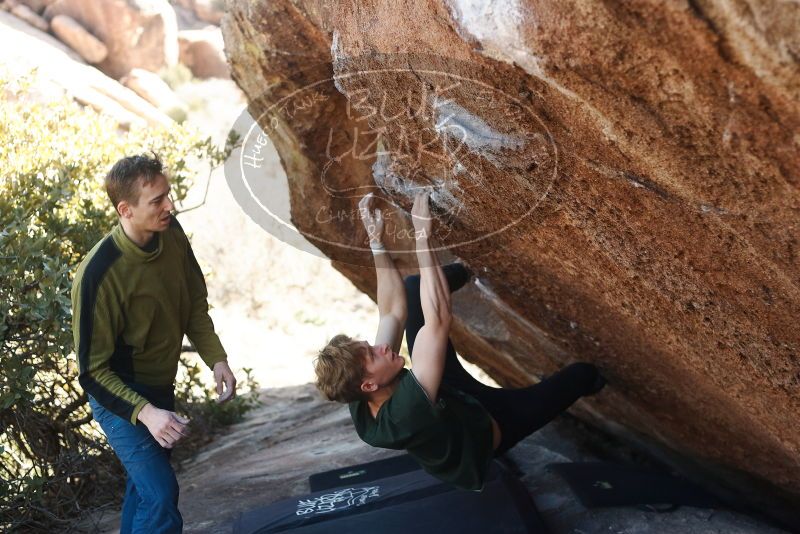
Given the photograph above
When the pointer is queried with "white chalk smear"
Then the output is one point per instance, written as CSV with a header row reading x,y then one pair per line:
x,y
336,56
496,26
390,181
444,192
458,123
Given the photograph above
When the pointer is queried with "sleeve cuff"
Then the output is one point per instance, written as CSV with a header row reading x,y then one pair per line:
x,y
137,409
211,362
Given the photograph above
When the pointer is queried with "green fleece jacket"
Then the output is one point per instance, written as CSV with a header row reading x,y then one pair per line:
x,y
130,311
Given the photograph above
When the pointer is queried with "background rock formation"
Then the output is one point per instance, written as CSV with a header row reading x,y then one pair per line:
x,y
138,33
202,52
60,70
623,177
150,46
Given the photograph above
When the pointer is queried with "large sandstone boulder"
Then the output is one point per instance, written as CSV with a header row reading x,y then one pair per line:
x,y
622,176
138,33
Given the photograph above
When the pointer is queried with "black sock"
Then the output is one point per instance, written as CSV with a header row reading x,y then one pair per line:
x,y
457,275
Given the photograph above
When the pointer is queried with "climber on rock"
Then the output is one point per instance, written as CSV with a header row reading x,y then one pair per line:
x,y
449,422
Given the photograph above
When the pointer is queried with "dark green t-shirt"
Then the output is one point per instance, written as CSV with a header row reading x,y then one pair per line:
x,y
451,439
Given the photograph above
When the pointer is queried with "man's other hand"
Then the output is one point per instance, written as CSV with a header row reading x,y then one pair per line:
x,y
165,426
226,382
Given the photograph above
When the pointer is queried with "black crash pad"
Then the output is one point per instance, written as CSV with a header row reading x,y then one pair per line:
x,y
402,499
600,484
359,474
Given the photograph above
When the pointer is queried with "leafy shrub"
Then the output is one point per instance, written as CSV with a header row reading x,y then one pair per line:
x,y
55,466
176,75
195,400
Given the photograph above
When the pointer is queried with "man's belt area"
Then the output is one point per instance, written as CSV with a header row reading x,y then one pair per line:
x,y
159,396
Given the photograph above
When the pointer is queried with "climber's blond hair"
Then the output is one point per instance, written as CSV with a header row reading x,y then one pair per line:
x,y
340,369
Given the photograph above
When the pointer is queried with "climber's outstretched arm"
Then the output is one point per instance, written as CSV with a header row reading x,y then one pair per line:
x,y
392,308
430,347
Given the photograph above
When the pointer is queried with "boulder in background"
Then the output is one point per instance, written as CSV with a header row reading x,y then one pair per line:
x,y
203,52
27,14
152,88
84,43
210,11
37,5
60,69
138,33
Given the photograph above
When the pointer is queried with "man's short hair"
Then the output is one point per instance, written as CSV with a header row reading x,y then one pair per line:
x,y
340,369
122,181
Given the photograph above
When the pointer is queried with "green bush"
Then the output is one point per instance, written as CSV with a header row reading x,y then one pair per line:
x,y
176,75
198,402
55,467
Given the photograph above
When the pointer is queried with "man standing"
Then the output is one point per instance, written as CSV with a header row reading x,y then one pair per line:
x,y
135,295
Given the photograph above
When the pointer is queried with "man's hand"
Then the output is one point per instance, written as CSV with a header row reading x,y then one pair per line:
x,y
165,426
226,382
372,220
421,215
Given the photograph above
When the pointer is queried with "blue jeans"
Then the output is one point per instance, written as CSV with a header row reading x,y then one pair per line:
x,y
151,489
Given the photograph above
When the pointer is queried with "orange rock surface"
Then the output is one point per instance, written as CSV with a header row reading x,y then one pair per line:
x,y
622,177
